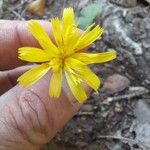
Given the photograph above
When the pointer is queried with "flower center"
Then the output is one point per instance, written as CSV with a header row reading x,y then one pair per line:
x,y
58,62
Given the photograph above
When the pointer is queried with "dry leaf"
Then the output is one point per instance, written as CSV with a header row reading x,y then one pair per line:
x,y
37,7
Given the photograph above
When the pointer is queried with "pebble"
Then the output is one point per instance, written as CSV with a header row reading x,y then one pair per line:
x,y
87,108
115,83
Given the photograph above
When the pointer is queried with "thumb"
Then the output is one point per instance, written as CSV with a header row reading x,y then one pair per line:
x,y
30,118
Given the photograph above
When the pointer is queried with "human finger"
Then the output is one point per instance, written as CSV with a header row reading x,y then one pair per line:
x,y
32,116
8,79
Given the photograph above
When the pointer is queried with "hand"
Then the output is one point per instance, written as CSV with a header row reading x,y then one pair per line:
x,y
29,118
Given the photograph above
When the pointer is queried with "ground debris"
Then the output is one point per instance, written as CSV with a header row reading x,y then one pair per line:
x,y
133,92
125,3
148,1
131,142
141,125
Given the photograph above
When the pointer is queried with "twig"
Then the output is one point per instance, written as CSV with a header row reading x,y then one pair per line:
x,y
16,14
136,93
85,114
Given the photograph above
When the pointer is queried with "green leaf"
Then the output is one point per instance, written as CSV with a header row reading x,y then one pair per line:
x,y
88,14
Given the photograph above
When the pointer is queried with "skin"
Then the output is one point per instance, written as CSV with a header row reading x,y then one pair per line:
x,y
29,118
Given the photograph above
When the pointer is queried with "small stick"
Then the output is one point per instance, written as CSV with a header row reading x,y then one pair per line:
x,y
15,13
136,93
85,114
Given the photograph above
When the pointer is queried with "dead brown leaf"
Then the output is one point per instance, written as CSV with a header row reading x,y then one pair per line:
x,y
36,8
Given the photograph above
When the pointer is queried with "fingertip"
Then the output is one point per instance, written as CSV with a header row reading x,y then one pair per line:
x,y
13,35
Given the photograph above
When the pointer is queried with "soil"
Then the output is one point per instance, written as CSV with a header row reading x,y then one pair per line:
x,y
117,117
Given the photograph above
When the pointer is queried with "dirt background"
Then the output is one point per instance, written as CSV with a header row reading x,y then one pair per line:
x,y
118,116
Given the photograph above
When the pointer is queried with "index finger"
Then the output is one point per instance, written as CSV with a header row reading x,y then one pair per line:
x,y
13,35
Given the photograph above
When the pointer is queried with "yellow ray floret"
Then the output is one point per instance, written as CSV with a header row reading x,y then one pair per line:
x,y
89,58
64,56
67,22
55,83
33,54
89,37
75,87
56,31
42,37
33,75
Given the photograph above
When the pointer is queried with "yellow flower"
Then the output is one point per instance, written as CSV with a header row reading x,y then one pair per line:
x,y
65,55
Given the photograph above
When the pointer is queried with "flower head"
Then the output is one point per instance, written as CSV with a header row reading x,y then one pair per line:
x,y
65,55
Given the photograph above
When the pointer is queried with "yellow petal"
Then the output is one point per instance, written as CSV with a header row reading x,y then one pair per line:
x,y
84,72
74,64
33,75
71,40
56,64
33,54
76,89
87,29
42,37
90,78
88,58
55,84
67,22
75,38
56,30
89,38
